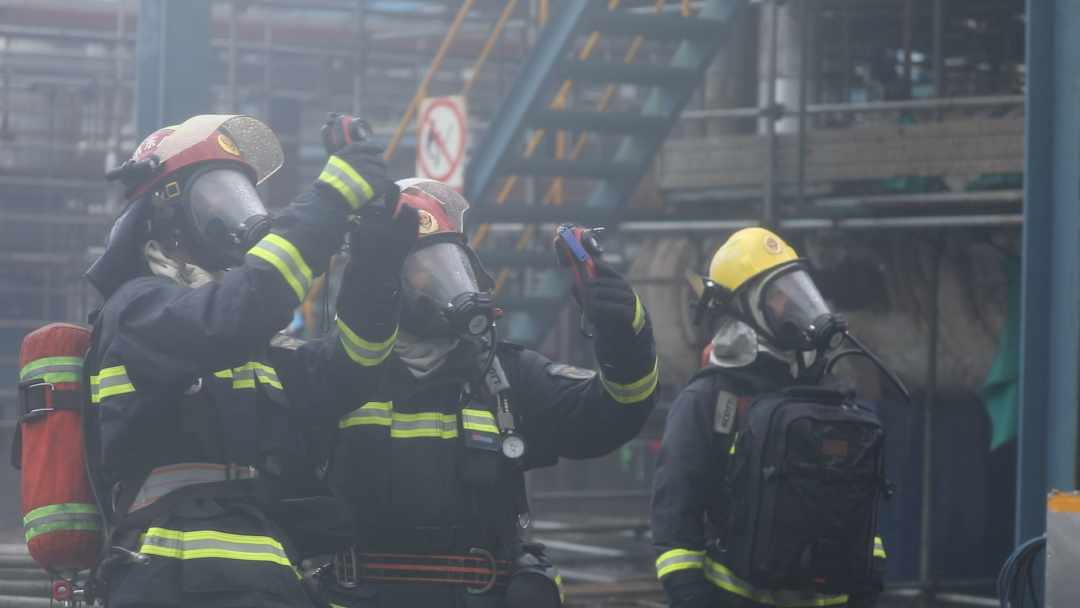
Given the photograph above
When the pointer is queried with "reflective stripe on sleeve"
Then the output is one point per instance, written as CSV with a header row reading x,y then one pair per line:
x,y
55,518
403,426
246,375
639,316
558,583
362,351
635,391
109,382
678,559
879,548
53,369
210,544
281,254
339,175
723,578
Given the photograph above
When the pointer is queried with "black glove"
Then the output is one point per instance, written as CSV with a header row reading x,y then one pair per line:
x,y
356,175
382,241
698,594
619,314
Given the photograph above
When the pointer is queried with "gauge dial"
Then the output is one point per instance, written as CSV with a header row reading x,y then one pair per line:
x,y
513,446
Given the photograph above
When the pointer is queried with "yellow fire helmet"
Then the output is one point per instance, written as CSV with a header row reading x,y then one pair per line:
x,y
748,253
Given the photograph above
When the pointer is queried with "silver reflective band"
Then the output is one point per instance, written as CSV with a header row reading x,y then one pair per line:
x,y
678,559
203,544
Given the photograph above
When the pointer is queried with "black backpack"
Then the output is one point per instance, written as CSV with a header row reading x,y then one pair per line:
x,y
805,474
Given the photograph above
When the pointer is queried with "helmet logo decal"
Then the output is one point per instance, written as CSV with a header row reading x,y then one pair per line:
x,y
772,245
428,223
227,145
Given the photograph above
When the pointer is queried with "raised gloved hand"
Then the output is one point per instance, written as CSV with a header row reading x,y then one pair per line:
x,y
383,240
620,316
356,175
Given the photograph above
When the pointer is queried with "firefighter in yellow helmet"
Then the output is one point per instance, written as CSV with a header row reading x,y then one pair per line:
x,y
770,322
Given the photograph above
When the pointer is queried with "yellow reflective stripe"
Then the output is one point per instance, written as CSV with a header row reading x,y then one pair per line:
x,y
479,420
211,544
246,375
281,254
342,177
733,440
633,392
639,316
558,583
879,548
424,424
726,580
62,517
369,413
678,559
362,351
109,382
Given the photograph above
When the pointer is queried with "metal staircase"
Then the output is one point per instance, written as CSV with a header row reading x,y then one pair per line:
x,y
598,145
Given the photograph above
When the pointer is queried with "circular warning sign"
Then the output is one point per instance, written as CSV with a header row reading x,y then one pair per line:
x,y
440,144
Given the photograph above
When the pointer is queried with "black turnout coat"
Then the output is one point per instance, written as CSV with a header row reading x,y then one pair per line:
x,y
191,385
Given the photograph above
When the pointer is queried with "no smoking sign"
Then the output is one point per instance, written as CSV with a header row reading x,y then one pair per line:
x,y
440,140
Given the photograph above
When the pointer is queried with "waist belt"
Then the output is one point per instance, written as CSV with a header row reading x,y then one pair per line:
x,y
170,478
479,571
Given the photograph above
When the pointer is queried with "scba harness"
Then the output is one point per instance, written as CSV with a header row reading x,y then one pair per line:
x,y
476,557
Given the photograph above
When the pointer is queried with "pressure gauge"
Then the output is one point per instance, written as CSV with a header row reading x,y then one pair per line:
x,y
513,446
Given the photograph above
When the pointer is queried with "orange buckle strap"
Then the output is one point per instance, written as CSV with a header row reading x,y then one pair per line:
x,y
480,570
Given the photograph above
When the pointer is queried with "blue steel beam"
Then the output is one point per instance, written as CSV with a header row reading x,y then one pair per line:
x,y
1050,333
499,139
173,63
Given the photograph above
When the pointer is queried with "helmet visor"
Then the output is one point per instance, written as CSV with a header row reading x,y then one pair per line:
x,y
436,274
791,304
248,139
226,211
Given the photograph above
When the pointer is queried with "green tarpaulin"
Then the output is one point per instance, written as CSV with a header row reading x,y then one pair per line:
x,y
1001,391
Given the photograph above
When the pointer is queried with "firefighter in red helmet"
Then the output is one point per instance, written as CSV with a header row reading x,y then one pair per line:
x,y
197,406
432,468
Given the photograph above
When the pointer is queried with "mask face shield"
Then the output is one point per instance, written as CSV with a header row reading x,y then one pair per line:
x,y
796,313
226,217
442,297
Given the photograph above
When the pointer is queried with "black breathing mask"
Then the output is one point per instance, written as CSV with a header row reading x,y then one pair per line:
x,y
442,297
220,215
796,315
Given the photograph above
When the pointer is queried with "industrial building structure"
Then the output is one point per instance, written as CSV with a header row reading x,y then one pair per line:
x,y
885,139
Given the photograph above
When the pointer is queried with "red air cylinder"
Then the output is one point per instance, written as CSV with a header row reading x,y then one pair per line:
x,y
60,515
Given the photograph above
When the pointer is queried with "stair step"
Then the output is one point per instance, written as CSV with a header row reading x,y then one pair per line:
x,y
598,122
649,74
568,168
656,27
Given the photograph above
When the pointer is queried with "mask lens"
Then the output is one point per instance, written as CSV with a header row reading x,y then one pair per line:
x,y
227,212
791,304
439,273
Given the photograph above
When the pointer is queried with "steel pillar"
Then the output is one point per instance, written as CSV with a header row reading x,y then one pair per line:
x,y
1050,333
173,70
